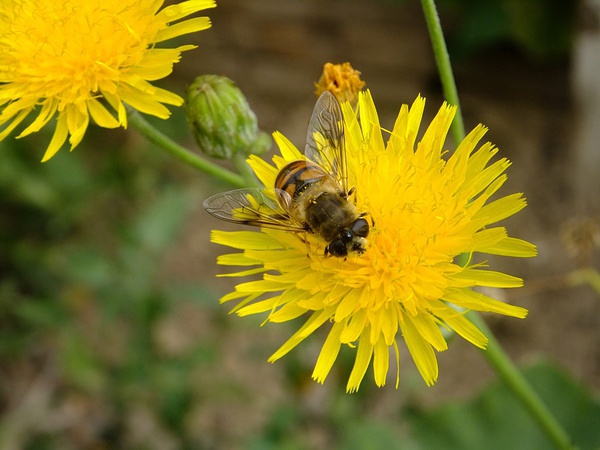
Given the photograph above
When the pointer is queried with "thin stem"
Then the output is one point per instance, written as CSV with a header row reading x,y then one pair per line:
x,y
239,162
514,379
182,153
494,353
442,60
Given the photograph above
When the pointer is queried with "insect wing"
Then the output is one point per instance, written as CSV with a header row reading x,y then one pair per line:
x,y
251,206
325,138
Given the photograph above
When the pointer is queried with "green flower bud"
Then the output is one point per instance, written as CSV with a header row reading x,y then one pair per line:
x,y
221,119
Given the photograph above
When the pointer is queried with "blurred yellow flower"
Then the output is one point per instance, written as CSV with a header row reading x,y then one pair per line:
x,y
428,208
342,80
79,58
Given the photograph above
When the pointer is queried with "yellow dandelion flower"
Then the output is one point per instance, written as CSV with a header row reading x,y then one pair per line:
x,y
79,58
427,207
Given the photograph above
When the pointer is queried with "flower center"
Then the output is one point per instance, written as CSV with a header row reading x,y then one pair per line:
x,y
70,49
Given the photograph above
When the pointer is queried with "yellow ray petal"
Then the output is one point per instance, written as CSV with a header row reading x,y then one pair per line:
x,y
381,361
100,114
186,27
251,240
315,321
361,363
287,149
477,277
58,138
420,350
178,11
328,354
477,301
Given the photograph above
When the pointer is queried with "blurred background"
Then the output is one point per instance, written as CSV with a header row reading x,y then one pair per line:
x,y
111,333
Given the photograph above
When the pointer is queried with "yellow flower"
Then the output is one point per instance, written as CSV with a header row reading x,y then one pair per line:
x,y
79,58
428,208
341,80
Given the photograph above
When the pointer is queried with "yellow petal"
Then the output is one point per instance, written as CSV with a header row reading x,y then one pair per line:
x,y
181,28
252,240
488,237
158,62
477,301
429,330
348,305
459,323
144,103
180,10
261,286
287,149
477,277
48,110
265,172
502,208
315,321
369,121
77,123
361,363
517,248
354,327
58,138
242,273
100,114
287,312
381,362
259,307
117,105
433,140
236,259
328,354
420,350
389,324
15,122
235,295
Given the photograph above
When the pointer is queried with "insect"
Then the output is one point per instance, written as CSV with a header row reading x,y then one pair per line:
x,y
310,195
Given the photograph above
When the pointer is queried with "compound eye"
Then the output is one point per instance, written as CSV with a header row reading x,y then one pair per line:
x,y
337,248
360,228
346,236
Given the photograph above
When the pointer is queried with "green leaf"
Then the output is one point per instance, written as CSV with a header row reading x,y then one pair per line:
x,y
158,225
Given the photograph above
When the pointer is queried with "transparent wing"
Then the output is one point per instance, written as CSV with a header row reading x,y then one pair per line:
x,y
325,138
251,206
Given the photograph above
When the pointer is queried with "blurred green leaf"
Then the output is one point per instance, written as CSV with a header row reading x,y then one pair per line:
x,y
495,420
542,29
545,29
373,436
158,224
79,363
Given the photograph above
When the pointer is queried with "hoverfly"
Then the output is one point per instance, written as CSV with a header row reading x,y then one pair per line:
x,y
310,195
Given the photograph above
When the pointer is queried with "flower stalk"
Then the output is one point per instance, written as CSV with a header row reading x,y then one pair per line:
x,y
514,379
442,59
181,153
494,353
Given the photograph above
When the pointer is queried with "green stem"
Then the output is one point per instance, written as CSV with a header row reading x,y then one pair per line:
x,y
182,153
442,60
239,162
494,353
519,386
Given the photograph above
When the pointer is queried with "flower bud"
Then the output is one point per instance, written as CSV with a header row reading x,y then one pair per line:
x,y
342,81
221,119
